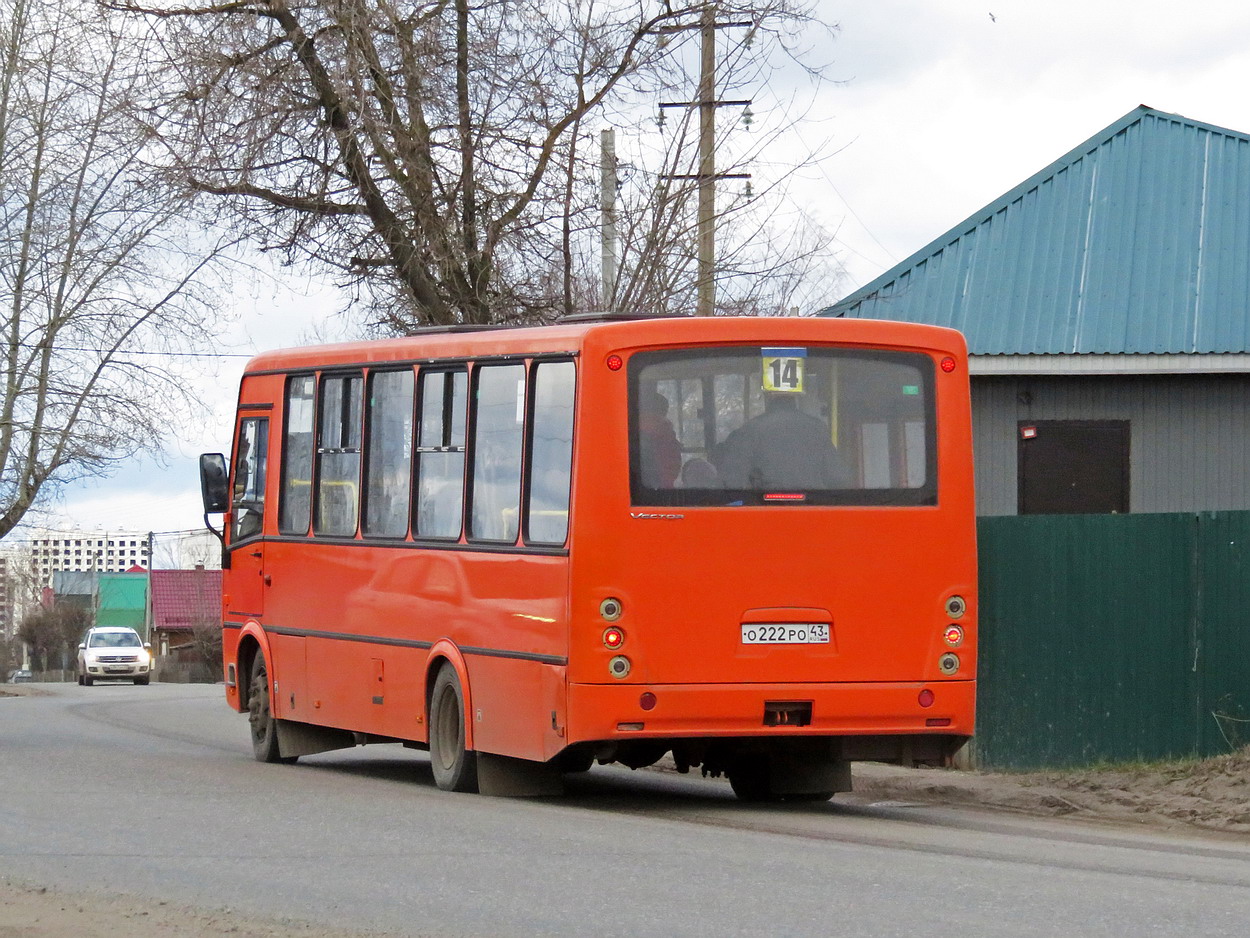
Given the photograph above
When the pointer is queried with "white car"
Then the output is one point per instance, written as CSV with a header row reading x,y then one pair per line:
x,y
113,652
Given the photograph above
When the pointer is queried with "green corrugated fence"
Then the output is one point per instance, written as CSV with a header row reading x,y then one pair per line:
x,y
1112,638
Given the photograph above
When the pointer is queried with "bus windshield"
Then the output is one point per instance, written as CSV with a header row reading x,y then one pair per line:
x,y
760,425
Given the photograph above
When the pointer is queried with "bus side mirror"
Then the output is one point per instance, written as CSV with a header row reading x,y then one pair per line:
x,y
214,483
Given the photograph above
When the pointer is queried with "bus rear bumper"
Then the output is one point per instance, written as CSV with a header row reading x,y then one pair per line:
x,y
602,712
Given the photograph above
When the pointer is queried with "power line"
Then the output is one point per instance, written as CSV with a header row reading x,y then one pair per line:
x,y
102,351
85,533
862,224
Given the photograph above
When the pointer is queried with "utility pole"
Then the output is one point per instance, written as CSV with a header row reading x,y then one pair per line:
x,y
706,305
707,175
607,213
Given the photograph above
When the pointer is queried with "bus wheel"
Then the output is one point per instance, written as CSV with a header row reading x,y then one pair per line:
x,y
811,797
749,780
752,781
572,760
455,768
259,716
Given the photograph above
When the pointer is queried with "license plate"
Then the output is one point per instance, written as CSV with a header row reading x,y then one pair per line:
x,y
117,670
785,633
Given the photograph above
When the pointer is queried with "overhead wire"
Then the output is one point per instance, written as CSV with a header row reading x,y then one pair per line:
x,y
102,351
824,171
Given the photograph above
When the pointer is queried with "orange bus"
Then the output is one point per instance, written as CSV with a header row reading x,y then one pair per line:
x,y
745,542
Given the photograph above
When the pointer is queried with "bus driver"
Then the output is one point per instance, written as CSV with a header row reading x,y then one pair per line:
x,y
782,448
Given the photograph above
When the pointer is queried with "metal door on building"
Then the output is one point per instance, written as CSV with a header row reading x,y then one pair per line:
x,y
1073,467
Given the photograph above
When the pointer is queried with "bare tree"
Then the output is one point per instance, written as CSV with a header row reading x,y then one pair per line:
x,y
184,550
98,268
769,251
206,647
52,634
433,152
26,589
10,655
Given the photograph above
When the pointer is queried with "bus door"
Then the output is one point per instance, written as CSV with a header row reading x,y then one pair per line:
x,y
247,511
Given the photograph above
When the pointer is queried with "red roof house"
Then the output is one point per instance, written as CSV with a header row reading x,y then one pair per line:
x,y
182,600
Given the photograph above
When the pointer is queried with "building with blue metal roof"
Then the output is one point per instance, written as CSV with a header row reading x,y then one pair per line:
x,y
1106,303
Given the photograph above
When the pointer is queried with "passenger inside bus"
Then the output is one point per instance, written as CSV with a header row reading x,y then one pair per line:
x,y
698,473
781,448
660,450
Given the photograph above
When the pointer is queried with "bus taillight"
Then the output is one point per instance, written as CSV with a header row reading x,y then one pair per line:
x,y
954,636
619,667
613,638
647,701
611,609
948,663
948,364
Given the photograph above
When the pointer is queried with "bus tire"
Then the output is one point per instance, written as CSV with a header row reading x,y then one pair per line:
x,y
809,797
573,760
749,779
264,727
454,766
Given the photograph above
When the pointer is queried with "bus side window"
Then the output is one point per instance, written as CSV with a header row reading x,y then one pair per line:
x,y
551,454
440,453
248,499
338,452
498,435
389,472
295,508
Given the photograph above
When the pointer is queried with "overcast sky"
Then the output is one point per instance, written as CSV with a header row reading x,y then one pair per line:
x,y
951,103
940,107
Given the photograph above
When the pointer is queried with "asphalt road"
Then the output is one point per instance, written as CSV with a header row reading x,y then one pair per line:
x,y
152,792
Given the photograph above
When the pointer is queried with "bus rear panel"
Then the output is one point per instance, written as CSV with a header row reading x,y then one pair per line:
x,y
803,570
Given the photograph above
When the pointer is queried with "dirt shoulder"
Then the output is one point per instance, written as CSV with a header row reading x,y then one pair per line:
x,y
20,690
35,912
1209,794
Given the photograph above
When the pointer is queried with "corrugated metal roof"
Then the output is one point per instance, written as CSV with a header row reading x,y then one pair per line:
x,y
1137,241
181,599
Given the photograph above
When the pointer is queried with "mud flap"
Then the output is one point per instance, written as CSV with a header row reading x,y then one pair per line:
x,y
304,739
794,773
506,777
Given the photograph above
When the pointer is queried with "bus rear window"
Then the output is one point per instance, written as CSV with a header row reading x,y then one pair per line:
x,y
759,425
